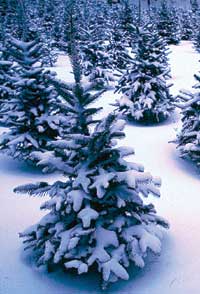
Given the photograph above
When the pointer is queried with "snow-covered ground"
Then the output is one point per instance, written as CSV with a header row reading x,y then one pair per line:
x,y
177,269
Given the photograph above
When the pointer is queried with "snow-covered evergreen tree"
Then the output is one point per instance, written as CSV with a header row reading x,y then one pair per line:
x,y
46,34
3,9
168,24
118,47
48,53
97,62
71,21
15,21
187,28
194,6
97,216
29,114
5,79
127,22
74,103
11,18
145,93
196,40
188,138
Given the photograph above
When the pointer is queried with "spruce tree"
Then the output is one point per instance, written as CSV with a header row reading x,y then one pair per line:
x,y
74,105
41,8
194,6
168,24
6,84
186,26
96,61
48,54
188,138
145,93
127,22
15,21
97,216
11,20
29,114
72,14
118,47
196,40
3,9
7,79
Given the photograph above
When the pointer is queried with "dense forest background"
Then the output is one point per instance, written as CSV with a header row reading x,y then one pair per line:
x,y
185,3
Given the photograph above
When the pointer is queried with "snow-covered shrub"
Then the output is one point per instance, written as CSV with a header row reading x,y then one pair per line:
x,y
145,93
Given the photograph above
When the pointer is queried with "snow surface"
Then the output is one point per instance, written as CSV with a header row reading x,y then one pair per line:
x,y
177,269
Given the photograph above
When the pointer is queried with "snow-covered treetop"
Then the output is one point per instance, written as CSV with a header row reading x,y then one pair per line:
x,y
76,100
25,53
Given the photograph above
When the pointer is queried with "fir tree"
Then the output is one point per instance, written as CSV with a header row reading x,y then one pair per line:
x,y
48,54
97,62
76,108
168,24
194,6
196,40
15,21
186,26
127,22
6,84
11,20
57,28
30,113
145,94
71,23
3,9
188,138
117,47
97,215
7,76
41,8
